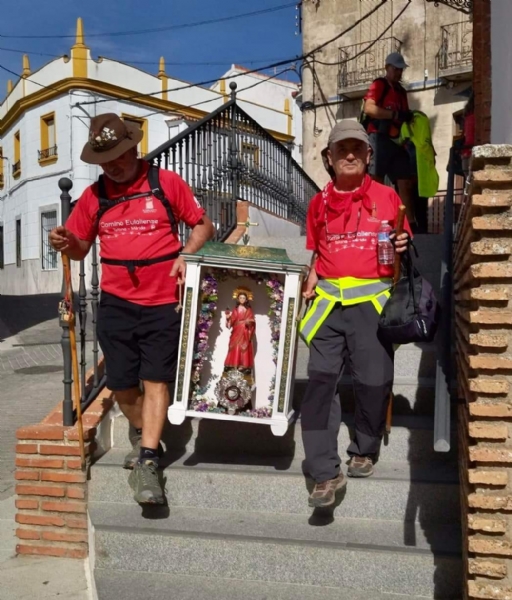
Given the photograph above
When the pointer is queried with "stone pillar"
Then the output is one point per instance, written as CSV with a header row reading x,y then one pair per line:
x,y
483,300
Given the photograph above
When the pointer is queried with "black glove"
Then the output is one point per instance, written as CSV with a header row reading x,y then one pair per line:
x,y
405,116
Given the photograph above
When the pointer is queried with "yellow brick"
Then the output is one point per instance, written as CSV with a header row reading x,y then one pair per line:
x,y
477,476
487,568
490,362
491,294
486,454
488,431
493,222
490,409
488,340
493,269
490,502
488,545
491,317
488,591
487,524
502,199
492,175
489,386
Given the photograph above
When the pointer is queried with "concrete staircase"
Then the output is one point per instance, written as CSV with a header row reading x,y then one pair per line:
x,y
237,525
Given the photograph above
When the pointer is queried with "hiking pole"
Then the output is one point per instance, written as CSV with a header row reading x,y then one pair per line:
x,y
74,358
396,276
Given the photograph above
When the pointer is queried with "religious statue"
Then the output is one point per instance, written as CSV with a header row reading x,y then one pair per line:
x,y
235,387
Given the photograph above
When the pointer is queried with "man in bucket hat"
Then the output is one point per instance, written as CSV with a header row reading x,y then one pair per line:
x,y
346,290
135,209
386,108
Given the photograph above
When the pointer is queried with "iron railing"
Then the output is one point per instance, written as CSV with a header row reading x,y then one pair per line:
x,y
436,210
16,167
359,66
465,6
47,153
456,50
227,156
81,303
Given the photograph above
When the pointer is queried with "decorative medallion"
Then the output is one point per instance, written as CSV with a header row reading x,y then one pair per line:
x,y
233,391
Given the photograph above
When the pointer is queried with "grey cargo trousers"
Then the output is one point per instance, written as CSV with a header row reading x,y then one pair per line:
x,y
348,331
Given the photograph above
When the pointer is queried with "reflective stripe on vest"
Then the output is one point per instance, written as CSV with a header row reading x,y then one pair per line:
x,y
346,290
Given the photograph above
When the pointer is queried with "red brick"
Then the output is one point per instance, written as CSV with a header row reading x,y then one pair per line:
x,y
77,507
28,534
26,448
76,493
40,463
76,523
57,536
64,477
27,475
27,504
53,449
41,432
73,464
89,433
59,551
28,519
41,490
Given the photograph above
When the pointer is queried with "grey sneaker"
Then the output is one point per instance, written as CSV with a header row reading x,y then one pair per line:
x,y
360,466
324,494
145,484
130,460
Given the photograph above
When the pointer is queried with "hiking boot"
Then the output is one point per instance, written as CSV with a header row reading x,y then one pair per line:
x,y
130,460
145,484
360,466
324,494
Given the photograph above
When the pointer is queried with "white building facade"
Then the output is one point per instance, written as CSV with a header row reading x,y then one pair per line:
x,y
44,126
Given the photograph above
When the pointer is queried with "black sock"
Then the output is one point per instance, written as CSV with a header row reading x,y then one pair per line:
x,y
148,454
138,430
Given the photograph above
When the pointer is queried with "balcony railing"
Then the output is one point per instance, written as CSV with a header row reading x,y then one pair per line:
x,y
16,168
361,63
465,6
455,57
47,153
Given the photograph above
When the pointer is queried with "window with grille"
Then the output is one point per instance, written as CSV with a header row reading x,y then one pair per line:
x,y
1,246
48,254
373,26
48,151
18,242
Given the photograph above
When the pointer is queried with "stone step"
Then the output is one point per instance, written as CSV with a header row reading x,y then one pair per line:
x,y
411,439
399,491
125,585
365,555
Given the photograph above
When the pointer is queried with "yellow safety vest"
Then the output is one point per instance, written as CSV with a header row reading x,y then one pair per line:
x,y
348,291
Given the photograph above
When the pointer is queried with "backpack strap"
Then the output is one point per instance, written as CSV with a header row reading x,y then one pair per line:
x,y
157,191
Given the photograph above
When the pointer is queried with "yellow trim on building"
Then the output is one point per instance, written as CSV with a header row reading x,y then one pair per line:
x,y
17,155
46,143
143,124
288,112
79,52
162,75
9,86
223,90
2,181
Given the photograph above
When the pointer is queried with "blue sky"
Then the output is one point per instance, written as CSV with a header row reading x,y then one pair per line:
x,y
265,38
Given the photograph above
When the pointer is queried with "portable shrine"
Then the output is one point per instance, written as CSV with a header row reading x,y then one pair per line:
x,y
239,336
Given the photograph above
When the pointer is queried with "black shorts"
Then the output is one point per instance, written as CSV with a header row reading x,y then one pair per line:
x,y
389,159
138,342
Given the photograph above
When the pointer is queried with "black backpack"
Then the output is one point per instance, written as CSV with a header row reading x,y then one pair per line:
x,y
106,204
411,314
364,119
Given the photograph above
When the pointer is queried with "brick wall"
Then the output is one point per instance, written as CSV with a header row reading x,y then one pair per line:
x,y
483,295
52,489
482,70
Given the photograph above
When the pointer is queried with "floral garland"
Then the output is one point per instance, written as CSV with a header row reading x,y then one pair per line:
x,y
208,309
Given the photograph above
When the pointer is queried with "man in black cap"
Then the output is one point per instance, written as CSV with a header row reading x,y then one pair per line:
x,y
386,108
347,288
135,209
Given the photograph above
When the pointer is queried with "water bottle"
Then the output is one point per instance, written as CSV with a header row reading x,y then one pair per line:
x,y
386,252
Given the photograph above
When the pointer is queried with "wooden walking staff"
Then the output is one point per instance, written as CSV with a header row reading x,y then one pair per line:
x,y
396,276
68,314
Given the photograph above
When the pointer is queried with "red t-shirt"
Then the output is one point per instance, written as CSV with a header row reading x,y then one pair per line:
x,y
356,254
134,230
394,99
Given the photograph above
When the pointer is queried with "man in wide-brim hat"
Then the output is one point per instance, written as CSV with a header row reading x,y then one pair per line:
x,y
135,210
